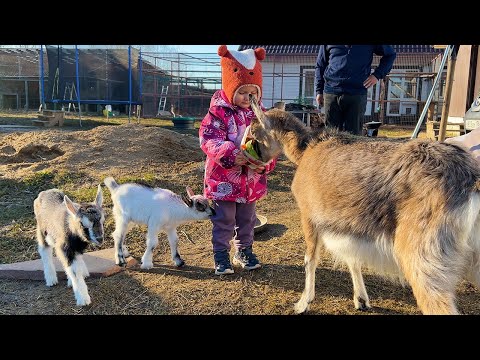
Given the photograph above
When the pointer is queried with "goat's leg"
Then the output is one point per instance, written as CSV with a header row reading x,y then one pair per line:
x,y
360,296
82,266
173,241
81,269
46,254
121,228
152,241
75,275
433,278
473,271
312,257
78,282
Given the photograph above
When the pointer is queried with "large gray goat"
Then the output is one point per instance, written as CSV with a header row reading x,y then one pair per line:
x,y
404,208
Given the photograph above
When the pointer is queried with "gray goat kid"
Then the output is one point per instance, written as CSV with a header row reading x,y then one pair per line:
x,y
68,227
403,208
159,209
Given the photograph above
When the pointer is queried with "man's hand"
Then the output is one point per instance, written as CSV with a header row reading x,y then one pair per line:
x,y
320,100
371,80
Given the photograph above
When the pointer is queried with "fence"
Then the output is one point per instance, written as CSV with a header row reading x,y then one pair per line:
x,y
185,83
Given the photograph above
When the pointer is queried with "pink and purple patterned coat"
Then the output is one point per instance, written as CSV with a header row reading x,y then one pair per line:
x,y
220,135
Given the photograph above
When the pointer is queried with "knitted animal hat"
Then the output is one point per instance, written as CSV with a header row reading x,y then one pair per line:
x,y
241,68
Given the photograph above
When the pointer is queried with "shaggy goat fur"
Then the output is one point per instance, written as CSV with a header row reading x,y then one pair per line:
x,y
69,228
159,209
408,209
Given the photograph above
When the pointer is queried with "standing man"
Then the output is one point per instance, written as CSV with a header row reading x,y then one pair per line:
x,y
342,77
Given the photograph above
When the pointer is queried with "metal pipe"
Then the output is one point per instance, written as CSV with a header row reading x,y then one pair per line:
x,y
430,96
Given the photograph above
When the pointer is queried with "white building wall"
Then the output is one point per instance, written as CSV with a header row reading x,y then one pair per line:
x,y
281,78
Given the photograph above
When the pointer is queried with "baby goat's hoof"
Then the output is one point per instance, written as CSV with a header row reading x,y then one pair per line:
x,y
51,282
179,262
84,301
121,262
146,266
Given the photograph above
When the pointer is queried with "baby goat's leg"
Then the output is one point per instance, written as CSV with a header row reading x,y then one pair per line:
x,y
46,254
173,241
312,257
82,269
360,296
121,227
152,241
75,275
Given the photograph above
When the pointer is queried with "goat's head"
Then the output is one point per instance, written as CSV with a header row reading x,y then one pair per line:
x,y
266,145
199,203
88,218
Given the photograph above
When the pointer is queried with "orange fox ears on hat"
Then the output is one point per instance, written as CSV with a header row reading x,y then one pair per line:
x,y
260,53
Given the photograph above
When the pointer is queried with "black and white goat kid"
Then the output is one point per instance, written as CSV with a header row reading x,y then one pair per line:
x,y
68,227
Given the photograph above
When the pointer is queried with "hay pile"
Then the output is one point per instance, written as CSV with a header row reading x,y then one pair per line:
x,y
105,149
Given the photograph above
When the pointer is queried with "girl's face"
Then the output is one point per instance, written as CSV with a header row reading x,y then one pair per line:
x,y
241,98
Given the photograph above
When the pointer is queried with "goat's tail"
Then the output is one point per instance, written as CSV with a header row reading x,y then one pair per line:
x,y
110,183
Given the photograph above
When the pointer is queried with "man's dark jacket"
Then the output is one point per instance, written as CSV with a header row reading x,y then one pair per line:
x,y
342,69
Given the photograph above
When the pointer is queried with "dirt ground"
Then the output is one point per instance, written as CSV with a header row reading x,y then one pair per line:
x,y
165,158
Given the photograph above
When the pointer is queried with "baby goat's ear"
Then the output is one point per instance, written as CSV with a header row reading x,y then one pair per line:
x,y
190,191
187,200
72,209
99,197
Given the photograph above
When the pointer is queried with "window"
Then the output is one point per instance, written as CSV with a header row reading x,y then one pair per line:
x,y
307,85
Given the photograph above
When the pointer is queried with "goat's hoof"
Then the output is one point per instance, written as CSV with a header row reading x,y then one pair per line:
x,y
362,304
300,308
121,262
179,262
146,266
84,302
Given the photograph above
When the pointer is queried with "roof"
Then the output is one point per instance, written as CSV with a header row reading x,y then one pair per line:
x,y
19,62
313,49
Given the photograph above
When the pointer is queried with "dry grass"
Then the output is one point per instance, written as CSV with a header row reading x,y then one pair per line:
x,y
160,157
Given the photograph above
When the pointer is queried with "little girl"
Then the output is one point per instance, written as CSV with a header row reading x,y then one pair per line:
x,y
234,186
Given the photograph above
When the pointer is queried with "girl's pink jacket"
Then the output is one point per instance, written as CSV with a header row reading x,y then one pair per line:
x,y
220,136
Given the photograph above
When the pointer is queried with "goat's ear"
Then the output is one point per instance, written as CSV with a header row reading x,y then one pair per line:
x,y
72,209
189,191
187,200
256,109
99,198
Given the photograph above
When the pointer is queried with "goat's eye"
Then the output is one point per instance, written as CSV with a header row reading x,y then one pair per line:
x,y
200,207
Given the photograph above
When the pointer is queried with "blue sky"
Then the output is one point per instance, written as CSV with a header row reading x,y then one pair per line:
x,y
203,48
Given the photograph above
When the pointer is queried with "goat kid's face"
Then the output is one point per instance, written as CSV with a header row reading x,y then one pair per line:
x,y
198,202
90,217
261,129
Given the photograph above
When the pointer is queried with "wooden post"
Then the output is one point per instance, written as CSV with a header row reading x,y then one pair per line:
x,y
431,111
448,92
381,116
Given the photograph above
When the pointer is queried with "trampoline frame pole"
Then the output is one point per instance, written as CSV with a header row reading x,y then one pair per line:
x,y
78,85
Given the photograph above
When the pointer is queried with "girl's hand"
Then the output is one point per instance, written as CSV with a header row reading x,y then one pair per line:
x,y
260,169
240,159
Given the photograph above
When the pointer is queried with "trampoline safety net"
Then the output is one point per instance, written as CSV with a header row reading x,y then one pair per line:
x,y
103,76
